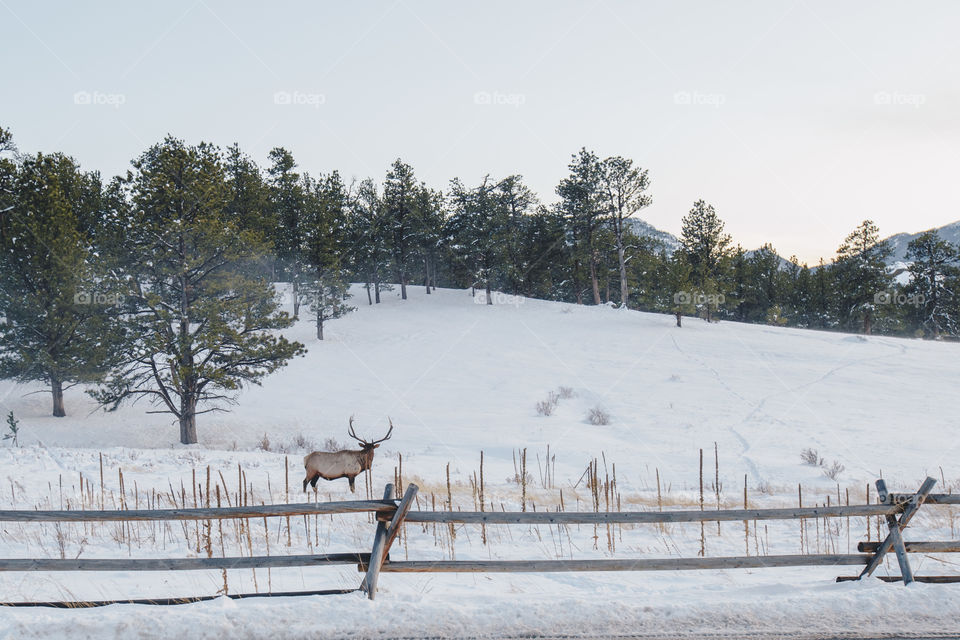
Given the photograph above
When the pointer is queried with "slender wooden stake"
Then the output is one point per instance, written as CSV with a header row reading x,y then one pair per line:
x,y
703,537
803,523
483,526
716,479
746,523
286,466
452,530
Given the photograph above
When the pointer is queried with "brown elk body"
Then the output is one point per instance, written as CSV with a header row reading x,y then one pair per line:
x,y
349,463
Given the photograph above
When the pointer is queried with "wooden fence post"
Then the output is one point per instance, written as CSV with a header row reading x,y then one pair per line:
x,y
386,534
894,540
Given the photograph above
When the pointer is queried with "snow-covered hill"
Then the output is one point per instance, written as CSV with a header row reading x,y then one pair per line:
x,y
458,377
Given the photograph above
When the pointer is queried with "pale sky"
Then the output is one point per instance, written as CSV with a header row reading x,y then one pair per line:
x,y
796,120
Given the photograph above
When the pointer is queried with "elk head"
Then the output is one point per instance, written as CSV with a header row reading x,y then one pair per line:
x,y
368,447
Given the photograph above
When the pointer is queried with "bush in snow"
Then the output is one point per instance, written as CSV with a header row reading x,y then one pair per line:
x,y
832,470
811,457
546,407
565,392
598,416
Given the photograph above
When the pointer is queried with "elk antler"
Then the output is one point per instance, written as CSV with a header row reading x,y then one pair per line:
x,y
353,434
389,433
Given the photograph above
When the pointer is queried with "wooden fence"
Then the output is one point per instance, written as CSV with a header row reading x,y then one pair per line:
x,y
897,509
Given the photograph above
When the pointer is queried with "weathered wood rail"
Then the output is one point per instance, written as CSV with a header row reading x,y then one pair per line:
x,y
896,508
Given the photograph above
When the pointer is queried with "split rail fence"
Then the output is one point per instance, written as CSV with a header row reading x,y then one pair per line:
x,y
897,508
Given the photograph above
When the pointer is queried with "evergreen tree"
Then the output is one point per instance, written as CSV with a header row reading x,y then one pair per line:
x,y
400,200
582,205
476,230
933,278
860,274
623,187
199,325
249,204
429,233
54,301
370,257
287,199
325,238
706,248
518,203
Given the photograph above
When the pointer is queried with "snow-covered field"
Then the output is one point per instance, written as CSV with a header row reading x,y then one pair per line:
x,y
457,378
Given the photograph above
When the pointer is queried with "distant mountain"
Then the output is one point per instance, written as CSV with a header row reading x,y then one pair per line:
x,y
898,242
644,229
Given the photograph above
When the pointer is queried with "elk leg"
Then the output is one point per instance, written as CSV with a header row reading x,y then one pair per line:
x,y
313,483
351,479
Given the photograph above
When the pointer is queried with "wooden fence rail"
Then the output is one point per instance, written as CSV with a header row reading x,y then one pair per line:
x,y
217,513
896,508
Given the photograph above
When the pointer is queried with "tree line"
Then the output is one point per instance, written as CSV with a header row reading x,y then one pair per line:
x,y
161,284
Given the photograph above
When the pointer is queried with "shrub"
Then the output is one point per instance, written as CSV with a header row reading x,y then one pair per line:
x,y
811,457
598,416
546,407
832,470
565,392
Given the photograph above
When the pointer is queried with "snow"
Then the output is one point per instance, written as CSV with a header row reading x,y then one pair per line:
x,y
456,378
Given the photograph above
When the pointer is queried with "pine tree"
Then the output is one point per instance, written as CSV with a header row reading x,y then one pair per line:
x,y
370,257
429,232
583,207
399,199
200,326
55,302
325,233
287,198
623,187
933,273
860,274
476,230
518,203
249,205
706,248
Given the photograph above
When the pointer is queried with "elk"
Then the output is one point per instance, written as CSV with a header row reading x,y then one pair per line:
x,y
331,465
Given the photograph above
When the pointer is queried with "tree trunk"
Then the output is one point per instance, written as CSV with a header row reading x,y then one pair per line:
x,y
296,295
679,318
594,281
376,286
867,323
489,296
426,274
188,419
403,285
369,299
56,388
623,274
